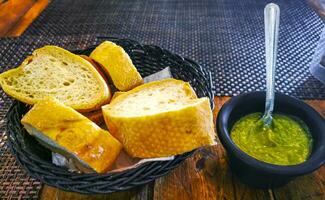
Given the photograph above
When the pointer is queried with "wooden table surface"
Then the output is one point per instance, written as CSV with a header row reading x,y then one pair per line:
x,y
17,15
214,181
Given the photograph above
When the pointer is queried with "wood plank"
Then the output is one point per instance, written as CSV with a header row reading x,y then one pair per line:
x,y
28,18
308,187
10,13
189,181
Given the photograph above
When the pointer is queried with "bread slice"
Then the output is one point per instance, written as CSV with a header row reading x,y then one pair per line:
x,y
53,71
116,94
65,131
95,116
117,65
97,67
160,118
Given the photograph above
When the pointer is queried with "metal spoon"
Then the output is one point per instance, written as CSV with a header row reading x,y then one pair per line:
x,y
271,23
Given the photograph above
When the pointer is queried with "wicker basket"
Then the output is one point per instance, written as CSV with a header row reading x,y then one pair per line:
x,y
36,159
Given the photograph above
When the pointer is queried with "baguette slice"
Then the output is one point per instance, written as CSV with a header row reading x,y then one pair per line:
x,y
116,94
53,71
161,118
117,65
65,131
97,67
95,116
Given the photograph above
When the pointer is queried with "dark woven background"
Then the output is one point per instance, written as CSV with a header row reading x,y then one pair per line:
x,y
225,36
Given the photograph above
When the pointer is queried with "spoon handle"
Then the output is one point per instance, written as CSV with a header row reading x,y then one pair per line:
x,y
271,22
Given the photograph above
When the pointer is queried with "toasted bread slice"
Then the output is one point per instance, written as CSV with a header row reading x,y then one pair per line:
x,y
65,131
117,65
160,118
53,71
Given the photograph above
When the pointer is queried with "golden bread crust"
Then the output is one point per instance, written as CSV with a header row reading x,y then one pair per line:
x,y
118,65
165,132
77,134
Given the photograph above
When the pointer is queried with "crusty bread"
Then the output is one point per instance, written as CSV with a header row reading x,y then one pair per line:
x,y
160,118
116,94
53,71
97,67
117,65
65,131
95,116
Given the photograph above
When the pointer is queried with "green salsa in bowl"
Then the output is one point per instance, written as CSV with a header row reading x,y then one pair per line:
x,y
287,141
268,158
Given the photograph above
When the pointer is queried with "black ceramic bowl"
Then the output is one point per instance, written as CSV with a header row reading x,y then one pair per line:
x,y
258,173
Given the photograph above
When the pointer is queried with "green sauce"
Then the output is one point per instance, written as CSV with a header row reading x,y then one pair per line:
x,y
286,142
